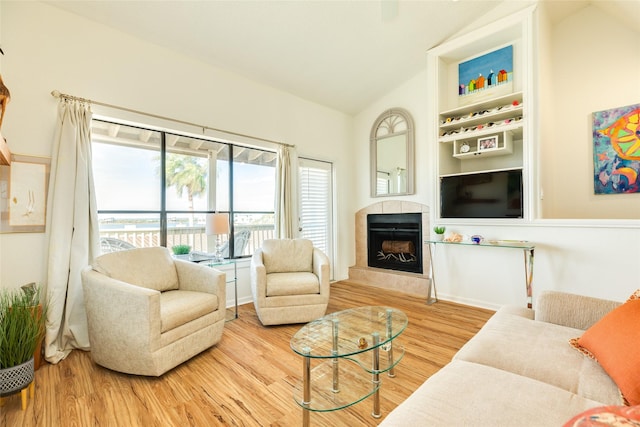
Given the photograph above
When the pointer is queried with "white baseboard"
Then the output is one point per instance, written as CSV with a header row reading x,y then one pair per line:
x,y
469,301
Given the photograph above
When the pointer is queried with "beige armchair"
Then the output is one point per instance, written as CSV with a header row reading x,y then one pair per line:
x,y
148,313
289,281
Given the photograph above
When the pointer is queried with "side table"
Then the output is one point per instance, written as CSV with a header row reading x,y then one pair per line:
x,y
526,247
230,280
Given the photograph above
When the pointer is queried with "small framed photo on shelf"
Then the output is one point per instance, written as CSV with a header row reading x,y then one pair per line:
x,y
488,143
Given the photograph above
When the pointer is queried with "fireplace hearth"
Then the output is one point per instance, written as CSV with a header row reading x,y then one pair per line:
x,y
394,241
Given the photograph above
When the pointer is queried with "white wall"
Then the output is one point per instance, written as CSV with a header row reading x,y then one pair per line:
x,y
596,258
595,67
47,48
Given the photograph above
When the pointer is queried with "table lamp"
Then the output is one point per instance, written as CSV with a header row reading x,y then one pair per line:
x,y
217,224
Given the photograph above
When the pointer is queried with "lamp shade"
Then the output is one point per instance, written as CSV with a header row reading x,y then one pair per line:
x,y
217,223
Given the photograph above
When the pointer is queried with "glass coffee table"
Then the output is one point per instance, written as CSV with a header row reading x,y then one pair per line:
x,y
352,348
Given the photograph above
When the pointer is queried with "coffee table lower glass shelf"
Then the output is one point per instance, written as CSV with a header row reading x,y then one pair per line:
x,y
352,348
359,382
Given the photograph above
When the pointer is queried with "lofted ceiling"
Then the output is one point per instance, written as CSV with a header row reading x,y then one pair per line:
x,y
343,54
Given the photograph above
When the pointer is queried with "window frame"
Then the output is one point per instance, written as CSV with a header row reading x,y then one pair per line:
x,y
163,213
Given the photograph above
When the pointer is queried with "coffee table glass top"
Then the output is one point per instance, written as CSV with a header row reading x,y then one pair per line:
x,y
355,328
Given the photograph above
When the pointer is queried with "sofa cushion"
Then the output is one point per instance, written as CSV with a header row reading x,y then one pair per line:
x,y
150,268
180,307
614,341
470,394
539,350
287,255
280,284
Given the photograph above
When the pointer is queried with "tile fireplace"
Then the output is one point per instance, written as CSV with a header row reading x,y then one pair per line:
x,y
393,256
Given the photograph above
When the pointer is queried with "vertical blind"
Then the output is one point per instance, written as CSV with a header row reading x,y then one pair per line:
x,y
316,203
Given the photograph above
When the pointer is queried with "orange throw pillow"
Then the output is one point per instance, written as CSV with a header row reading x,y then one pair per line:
x,y
614,341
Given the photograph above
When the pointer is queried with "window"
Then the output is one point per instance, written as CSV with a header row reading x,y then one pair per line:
x,y
156,187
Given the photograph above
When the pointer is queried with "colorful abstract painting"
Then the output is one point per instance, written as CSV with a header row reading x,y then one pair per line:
x,y
616,150
486,71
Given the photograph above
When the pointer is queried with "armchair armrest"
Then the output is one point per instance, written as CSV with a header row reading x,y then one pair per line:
x,y
574,311
201,278
321,269
258,276
110,302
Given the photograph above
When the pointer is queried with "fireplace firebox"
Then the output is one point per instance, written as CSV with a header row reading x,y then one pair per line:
x,y
394,241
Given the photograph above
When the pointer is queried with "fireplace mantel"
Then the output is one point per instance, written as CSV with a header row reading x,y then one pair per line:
x,y
411,283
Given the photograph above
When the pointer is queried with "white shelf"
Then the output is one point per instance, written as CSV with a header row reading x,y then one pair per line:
x,y
503,146
490,118
515,128
483,105
474,173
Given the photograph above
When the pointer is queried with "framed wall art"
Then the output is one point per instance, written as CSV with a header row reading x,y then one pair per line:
x,y
486,73
23,194
616,150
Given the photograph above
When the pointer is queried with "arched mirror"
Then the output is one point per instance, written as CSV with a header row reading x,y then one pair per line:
x,y
392,154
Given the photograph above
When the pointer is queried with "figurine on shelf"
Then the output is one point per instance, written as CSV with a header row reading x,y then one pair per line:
x,y
477,239
5,97
454,237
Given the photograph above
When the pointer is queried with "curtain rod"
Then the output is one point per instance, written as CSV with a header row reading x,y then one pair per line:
x,y
57,94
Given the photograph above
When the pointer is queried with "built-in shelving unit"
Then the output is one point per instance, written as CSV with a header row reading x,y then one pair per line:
x,y
488,129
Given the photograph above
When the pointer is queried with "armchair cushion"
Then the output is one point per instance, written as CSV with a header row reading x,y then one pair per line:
x,y
285,256
180,307
151,268
303,283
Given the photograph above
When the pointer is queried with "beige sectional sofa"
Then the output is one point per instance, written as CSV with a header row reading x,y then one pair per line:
x,y
519,370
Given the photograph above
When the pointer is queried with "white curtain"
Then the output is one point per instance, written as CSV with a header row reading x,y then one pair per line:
x,y
286,193
72,224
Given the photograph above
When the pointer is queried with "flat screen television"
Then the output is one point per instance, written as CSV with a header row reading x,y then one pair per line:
x,y
495,194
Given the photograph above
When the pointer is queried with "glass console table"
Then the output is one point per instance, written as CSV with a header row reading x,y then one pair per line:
x,y
221,265
348,344
526,247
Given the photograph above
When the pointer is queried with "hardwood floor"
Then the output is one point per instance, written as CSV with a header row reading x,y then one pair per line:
x,y
245,380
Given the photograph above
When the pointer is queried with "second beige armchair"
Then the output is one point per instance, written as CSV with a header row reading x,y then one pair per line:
x,y
289,281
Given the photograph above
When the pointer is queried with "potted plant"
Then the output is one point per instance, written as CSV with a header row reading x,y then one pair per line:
x,y
439,230
181,251
22,323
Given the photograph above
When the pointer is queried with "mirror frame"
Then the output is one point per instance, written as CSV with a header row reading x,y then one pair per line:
x,y
391,119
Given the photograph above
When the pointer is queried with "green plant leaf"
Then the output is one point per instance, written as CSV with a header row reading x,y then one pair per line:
x,y
22,325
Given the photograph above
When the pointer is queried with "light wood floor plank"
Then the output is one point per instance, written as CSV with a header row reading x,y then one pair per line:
x,y
247,379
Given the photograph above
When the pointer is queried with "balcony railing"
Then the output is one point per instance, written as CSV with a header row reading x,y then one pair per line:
x,y
193,236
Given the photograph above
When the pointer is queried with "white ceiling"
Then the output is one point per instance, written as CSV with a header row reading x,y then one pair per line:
x,y
343,54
